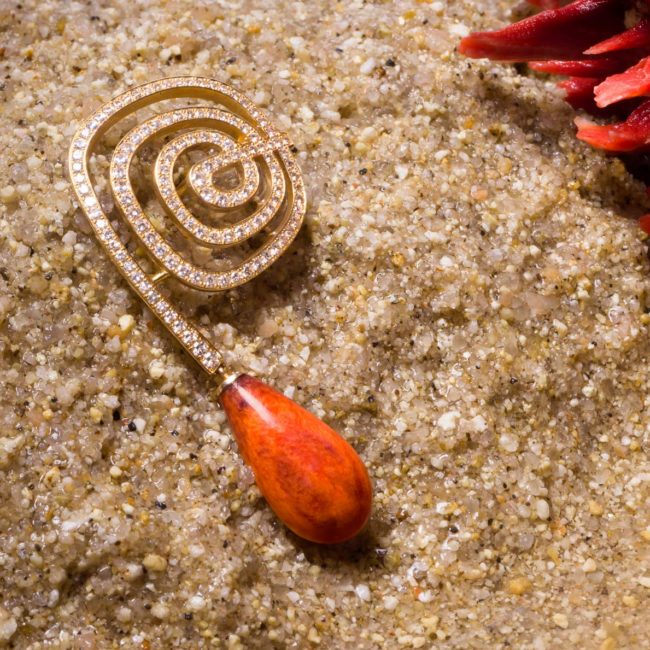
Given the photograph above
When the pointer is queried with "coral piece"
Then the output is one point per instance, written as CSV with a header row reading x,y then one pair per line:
x,y
644,223
631,135
310,476
634,82
562,33
637,36
588,67
580,92
606,59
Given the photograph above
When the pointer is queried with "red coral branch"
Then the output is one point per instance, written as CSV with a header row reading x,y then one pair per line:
x,y
580,92
631,135
644,222
606,61
637,36
634,82
593,67
562,33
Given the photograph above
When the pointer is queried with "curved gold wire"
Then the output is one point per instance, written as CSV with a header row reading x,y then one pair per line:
x,y
270,191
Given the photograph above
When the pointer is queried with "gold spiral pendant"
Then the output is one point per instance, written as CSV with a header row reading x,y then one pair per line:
x,y
312,478
269,192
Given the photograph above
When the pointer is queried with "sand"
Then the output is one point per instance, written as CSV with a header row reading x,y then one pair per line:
x,y
466,304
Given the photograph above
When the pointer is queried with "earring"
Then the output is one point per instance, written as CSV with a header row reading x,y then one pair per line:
x,y
310,476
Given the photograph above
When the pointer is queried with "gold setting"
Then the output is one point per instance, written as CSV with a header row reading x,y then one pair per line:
x,y
270,191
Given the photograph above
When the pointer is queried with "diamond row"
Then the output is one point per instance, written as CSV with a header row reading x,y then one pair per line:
x,y
201,174
156,245
191,339
222,236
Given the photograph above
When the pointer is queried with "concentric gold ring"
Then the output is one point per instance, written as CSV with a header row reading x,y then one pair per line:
x,y
269,192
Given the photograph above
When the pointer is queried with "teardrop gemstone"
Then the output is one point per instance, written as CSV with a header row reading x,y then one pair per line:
x,y
311,477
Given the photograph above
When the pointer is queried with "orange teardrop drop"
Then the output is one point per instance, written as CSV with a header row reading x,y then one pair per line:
x,y
311,477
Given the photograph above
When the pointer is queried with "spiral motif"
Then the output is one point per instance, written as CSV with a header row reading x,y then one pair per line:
x,y
269,191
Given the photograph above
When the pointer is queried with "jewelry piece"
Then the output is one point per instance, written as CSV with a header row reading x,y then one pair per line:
x,y
310,476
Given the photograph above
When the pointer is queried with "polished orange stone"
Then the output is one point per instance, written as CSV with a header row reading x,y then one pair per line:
x,y
311,477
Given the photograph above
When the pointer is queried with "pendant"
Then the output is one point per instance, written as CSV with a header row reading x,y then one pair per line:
x,y
311,477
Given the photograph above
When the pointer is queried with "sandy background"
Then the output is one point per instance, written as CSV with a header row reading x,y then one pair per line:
x,y
466,304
